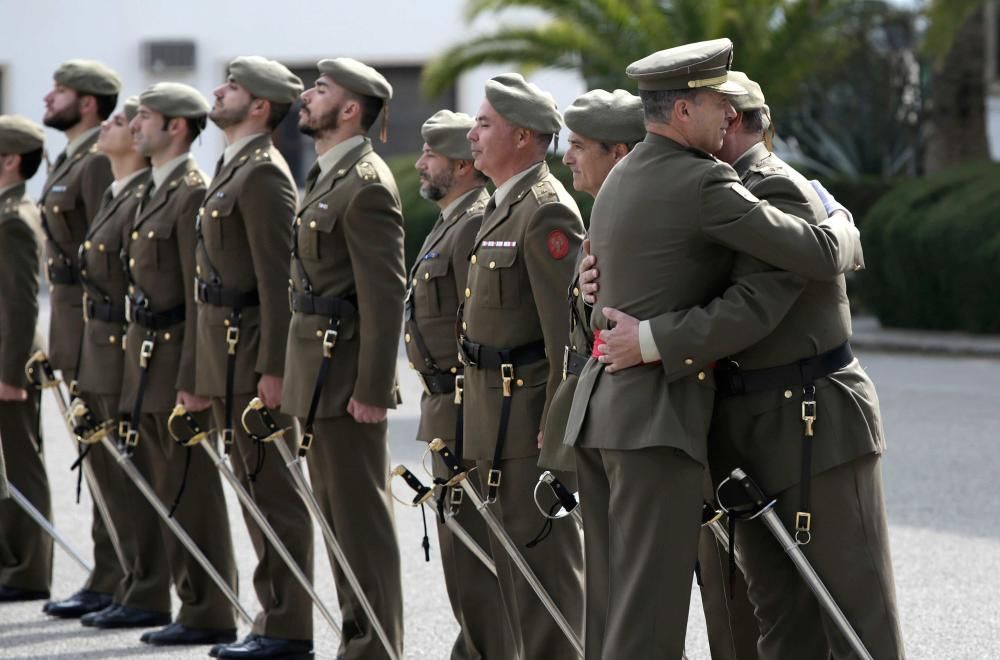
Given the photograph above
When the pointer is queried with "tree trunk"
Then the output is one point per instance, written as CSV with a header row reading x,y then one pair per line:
x,y
957,118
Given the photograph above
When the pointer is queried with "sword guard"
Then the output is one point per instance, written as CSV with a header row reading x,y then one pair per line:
x,y
422,492
438,446
195,435
256,406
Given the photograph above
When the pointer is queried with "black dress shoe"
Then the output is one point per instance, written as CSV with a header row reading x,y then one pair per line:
x,y
214,651
123,616
177,633
78,604
88,618
269,647
13,594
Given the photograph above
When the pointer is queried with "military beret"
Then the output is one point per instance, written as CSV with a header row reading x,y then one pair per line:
x,y
131,107
704,64
445,133
607,116
173,99
88,77
523,104
266,79
357,77
19,135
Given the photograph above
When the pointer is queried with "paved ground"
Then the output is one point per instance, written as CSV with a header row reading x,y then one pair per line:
x,y
942,416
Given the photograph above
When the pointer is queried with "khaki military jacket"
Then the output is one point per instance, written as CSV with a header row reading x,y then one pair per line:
x,y
70,199
246,227
762,431
437,284
160,252
102,359
522,263
666,228
18,284
349,236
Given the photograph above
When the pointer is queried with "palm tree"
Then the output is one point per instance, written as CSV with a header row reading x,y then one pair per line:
x,y
779,41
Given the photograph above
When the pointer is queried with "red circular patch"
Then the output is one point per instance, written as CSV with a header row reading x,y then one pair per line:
x,y
557,243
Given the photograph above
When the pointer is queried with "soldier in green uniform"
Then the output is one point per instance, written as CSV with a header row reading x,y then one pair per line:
x,y
757,425
142,598
160,358
347,294
25,550
437,285
641,432
245,225
513,331
84,94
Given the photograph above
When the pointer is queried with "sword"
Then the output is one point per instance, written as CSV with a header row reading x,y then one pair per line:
x,y
459,477
37,516
570,505
423,493
711,518
195,436
86,431
44,370
294,465
765,510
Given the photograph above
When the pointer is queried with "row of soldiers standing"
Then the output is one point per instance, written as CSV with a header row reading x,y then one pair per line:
x,y
505,263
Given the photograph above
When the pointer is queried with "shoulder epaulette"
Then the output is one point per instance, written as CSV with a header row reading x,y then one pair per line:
x,y
544,192
366,171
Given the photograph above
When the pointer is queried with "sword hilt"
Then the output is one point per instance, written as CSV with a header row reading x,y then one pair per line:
x,y
192,435
257,407
455,469
86,427
566,498
422,492
39,370
750,487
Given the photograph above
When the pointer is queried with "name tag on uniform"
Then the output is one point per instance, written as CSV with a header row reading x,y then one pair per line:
x,y
505,244
60,188
431,255
323,205
220,194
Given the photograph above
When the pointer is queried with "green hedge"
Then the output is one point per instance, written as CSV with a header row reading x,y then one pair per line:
x,y
420,214
932,249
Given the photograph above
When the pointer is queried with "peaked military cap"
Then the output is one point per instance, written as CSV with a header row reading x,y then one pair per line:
x,y
704,64
445,133
131,107
523,103
266,78
607,116
19,135
172,99
88,77
357,77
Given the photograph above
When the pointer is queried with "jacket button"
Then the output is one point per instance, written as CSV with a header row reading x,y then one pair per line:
x,y
319,333
215,213
576,292
86,245
473,259
131,263
493,265
166,336
406,337
100,247
135,236
312,224
788,394
688,361
520,382
468,293
701,375
55,208
454,370
465,326
150,234
225,322
427,276
111,339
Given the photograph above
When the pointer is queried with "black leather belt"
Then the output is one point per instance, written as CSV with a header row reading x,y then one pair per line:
x,y
219,296
329,306
63,274
141,315
573,362
490,357
443,383
108,312
730,380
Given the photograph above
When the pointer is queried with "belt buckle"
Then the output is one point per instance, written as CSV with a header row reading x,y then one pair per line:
x,y
507,377
232,338
329,341
145,352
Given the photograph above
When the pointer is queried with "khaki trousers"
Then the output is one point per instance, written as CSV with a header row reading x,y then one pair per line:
x,y
286,608
349,470
642,513
202,513
25,550
557,562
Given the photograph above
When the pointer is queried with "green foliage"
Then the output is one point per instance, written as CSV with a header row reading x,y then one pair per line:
x,y
932,248
945,17
420,214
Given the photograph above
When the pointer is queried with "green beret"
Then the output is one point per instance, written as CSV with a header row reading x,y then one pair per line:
x,y
704,64
445,133
19,135
173,99
523,104
266,79
607,116
131,107
88,77
357,77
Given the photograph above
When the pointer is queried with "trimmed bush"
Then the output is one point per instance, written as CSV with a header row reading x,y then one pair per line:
x,y
932,249
420,214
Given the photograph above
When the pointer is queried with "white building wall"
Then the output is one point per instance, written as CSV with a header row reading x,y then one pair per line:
x,y
37,35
